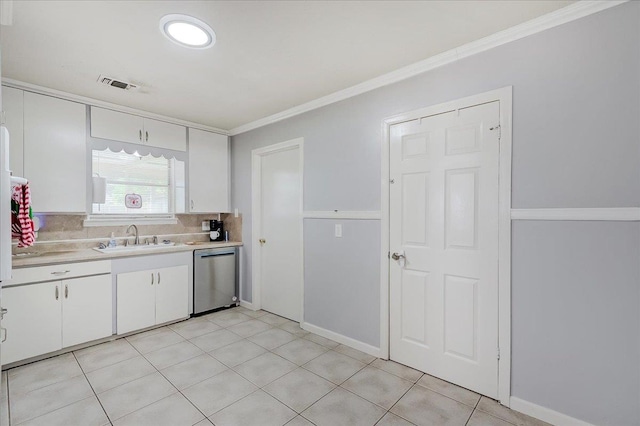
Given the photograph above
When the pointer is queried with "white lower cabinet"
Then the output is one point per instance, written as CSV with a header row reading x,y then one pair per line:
x,y
33,321
172,294
46,317
150,297
86,309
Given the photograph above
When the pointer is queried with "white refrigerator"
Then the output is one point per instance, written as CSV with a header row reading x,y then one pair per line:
x,y
5,207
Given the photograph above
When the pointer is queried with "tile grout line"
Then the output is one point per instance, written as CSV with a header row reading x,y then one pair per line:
x,y
8,399
91,386
170,382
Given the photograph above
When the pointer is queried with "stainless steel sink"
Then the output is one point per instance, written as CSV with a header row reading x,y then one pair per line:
x,y
134,248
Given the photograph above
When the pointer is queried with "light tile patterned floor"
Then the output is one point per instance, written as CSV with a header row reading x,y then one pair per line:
x,y
235,367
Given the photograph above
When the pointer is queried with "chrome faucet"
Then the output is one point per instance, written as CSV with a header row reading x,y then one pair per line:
x,y
137,240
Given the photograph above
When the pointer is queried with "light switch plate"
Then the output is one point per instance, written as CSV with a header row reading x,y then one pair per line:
x,y
205,225
339,230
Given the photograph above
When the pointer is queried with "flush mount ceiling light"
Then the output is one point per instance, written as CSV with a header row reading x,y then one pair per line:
x,y
187,31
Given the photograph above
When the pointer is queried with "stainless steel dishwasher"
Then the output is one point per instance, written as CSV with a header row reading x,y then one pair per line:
x,y
215,283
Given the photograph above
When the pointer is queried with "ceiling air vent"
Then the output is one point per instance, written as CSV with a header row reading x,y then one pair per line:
x,y
108,81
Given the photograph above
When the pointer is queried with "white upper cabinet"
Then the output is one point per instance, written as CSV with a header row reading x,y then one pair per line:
x,y
55,154
119,126
165,135
13,106
208,172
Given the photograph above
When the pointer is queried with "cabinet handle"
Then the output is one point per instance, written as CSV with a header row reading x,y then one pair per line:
x,y
66,291
152,278
191,204
57,293
146,136
61,272
6,333
140,135
158,277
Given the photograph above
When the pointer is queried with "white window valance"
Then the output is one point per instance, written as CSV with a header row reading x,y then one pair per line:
x,y
131,148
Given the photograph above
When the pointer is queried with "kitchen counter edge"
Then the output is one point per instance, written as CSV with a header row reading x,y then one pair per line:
x,y
85,255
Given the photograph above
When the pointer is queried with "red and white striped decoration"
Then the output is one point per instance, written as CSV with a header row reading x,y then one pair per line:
x,y
22,225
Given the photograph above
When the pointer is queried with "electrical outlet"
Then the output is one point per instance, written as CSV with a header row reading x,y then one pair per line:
x,y
338,231
205,225
235,213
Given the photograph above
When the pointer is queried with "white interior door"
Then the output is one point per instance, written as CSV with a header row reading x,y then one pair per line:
x,y
280,233
444,220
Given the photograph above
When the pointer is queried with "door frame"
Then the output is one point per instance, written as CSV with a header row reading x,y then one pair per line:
x,y
256,216
504,96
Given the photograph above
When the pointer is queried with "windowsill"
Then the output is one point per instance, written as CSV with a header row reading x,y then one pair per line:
x,y
92,221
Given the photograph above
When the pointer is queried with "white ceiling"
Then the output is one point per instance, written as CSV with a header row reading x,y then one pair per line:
x,y
269,56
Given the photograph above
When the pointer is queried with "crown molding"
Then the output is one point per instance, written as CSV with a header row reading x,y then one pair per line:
x,y
561,16
108,105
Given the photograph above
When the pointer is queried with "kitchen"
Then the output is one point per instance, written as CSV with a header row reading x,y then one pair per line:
x,y
177,181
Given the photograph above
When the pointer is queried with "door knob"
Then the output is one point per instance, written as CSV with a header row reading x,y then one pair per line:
x,y
262,241
397,256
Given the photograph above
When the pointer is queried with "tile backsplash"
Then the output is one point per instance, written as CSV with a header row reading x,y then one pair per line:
x,y
70,227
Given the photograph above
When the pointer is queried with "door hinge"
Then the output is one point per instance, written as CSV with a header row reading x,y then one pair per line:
x,y
498,354
388,255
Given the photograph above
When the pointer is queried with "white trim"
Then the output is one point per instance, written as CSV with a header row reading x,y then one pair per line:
x,y
340,338
247,305
504,96
545,414
569,13
95,102
256,215
608,214
342,214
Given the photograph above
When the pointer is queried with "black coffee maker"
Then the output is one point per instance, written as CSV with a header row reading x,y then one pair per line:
x,y
216,230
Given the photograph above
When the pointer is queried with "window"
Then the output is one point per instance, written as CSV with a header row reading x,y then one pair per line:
x,y
159,183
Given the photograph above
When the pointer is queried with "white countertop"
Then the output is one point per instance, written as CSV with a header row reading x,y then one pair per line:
x,y
82,255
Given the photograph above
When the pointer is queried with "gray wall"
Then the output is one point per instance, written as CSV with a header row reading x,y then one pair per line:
x,y
576,143
576,318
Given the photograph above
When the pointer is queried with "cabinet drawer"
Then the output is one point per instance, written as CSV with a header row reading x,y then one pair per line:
x,y
58,272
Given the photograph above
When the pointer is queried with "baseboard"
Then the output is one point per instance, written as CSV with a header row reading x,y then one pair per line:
x,y
545,414
247,305
347,341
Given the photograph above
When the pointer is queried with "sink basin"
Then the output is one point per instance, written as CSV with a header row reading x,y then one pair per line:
x,y
132,248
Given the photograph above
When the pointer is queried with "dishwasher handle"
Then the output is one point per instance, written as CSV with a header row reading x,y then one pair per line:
x,y
202,256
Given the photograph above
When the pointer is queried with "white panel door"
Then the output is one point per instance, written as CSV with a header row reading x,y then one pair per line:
x,y
281,252
172,293
136,300
117,126
33,320
208,172
55,147
444,220
165,135
13,107
86,309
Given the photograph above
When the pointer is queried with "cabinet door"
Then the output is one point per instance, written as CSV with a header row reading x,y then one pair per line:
x,y
136,300
117,126
165,135
172,293
208,172
33,320
55,147
86,309
13,107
